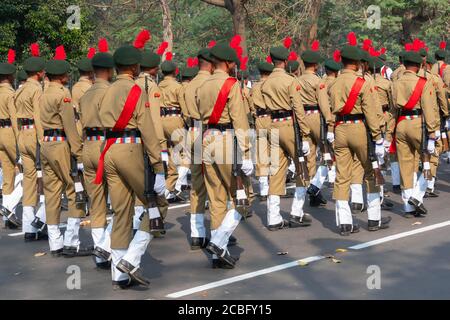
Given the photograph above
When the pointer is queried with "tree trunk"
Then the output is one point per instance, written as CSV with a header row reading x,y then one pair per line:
x,y
311,32
167,25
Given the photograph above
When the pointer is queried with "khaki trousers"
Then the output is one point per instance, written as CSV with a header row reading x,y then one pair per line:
x,y
198,192
262,125
8,159
57,179
351,142
357,171
313,121
27,148
434,159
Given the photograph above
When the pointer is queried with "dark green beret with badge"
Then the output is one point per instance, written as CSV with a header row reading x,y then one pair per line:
x,y
150,59
423,52
204,54
310,56
224,52
375,63
279,53
103,60
127,56
351,53
265,67
57,67
332,65
22,75
84,65
189,73
441,53
431,60
168,66
34,64
7,68
412,57
365,56
292,66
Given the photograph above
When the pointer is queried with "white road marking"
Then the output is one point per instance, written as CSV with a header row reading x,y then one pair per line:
x,y
295,263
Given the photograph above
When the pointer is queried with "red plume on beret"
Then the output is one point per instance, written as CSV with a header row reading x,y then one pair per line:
x,y
292,56
269,59
177,70
351,38
244,61
141,39
211,44
190,62
162,47
417,45
287,42
235,41
239,51
169,56
383,50
367,43
442,45
34,48
337,56
408,46
60,53
91,53
373,52
195,61
103,45
315,45
11,56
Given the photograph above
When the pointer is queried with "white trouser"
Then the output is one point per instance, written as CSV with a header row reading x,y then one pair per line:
x,y
55,238
263,186
213,233
343,213
27,219
298,202
357,193
105,240
116,256
430,184
273,210
41,210
420,188
395,173
138,210
182,178
292,167
97,234
406,194
332,174
320,176
374,206
228,225
137,248
71,236
153,213
198,225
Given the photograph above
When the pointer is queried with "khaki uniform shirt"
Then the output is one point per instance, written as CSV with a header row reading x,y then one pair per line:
x,y
436,69
442,102
27,104
191,91
398,72
90,104
281,92
183,106
7,108
256,97
79,89
170,90
112,106
365,103
57,113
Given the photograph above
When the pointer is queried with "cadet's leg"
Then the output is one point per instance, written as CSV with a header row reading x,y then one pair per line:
x,y
28,154
262,162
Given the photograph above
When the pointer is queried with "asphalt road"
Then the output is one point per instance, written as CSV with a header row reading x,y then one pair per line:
x,y
411,261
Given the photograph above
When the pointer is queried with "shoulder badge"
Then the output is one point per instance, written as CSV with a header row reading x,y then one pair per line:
x,y
66,100
147,104
322,86
298,88
157,95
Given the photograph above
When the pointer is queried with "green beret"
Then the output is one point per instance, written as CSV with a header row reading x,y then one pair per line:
x,y
383,57
375,63
431,60
440,54
7,68
423,52
224,52
204,54
401,54
103,60
243,74
57,67
189,73
413,57
84,65
365,56
265,67
22,75
351,53
168,66
292,66
279,53
127,56
310,56
34,64
333,65
150,59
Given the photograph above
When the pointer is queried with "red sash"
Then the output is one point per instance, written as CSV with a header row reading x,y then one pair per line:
x,y
441,69
221,101
410,104
121,124
353,96
383,71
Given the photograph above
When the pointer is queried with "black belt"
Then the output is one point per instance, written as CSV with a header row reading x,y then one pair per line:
x,y
279,114
25,121
135,133
220,126
350,117
5,122
385,107
94,132
416,112
261,112
54,133
166,111
309,107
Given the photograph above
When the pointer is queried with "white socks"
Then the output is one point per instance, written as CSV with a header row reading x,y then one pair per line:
x,y
298,202
263,186
332,174
356,193
138,210
182,178
229,224
27,219
373,206
273,210
343,212
137,247
406,194
420,188
320,176
71,238
198,225
116,256
55,238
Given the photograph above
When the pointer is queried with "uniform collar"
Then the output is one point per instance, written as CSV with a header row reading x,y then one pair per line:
x,y
344,71
220,71
124,77
34,81
279,70
170,78
55,84
309,72
144,74
101,81
84,79
204,72
6,85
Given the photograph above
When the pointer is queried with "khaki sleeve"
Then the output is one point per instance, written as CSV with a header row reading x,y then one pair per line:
x,y
182,101
68,120
12,116
429,106
298,109
442,97
324,105
251,104
155,112
148,132
236,110
37,115
368,101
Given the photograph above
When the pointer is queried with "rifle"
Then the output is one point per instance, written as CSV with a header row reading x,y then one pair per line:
x,y
379,180
301,168
38,165
18,162
444,135
327,150
241,201
77,175
156,224
426,171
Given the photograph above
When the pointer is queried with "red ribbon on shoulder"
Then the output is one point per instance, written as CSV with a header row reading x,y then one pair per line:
x,y
221,100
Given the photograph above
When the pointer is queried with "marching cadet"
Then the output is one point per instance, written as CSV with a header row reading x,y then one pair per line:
x,y
8,134
89,106
173,124
130,132
353,101
386,71
439,66
441,114
61,140
21,78
30,138
221,109
401,68
281,96
316,105
262,126
414,103
198,192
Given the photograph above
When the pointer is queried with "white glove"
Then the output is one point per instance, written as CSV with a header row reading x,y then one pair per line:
x,y
80,167
247,167
305,148
431,146
447,124
160,184
20,160
379,148
387,145
164,156
330,137
437,133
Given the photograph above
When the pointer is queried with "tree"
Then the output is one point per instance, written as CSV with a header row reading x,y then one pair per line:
x,y
167,24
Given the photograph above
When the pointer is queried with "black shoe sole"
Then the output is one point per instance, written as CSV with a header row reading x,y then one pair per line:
x,y
124,269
